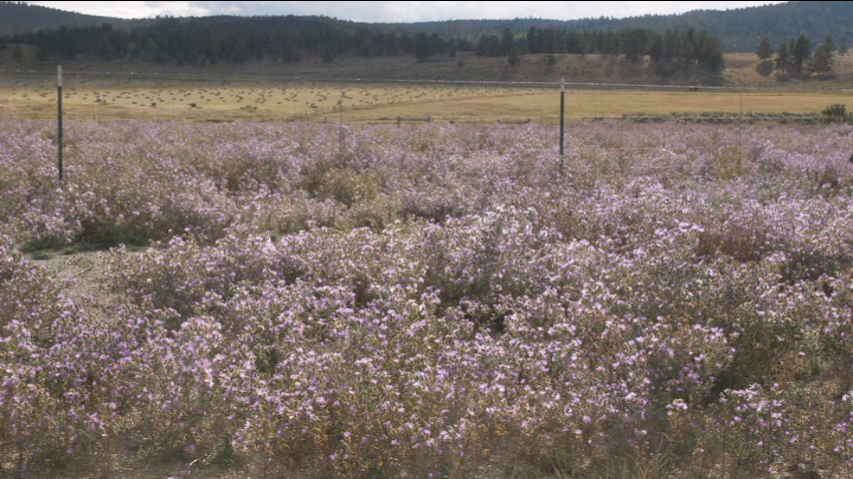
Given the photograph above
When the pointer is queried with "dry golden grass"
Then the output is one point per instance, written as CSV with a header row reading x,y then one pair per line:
x,y
364,103
222,94
610,103
197,100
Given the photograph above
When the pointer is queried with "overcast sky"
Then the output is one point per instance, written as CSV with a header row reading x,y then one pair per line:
x,y
397,11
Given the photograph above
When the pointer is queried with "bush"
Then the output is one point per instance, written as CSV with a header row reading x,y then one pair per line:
x,y
837,113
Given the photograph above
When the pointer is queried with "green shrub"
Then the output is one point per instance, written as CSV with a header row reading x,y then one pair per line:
x,y
837,113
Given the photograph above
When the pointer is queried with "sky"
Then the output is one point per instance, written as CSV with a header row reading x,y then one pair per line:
x,y
394,12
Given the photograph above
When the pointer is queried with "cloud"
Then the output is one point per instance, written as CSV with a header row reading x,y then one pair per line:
x,y
131,9
395,12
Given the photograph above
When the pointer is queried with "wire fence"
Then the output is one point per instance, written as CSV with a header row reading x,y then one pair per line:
x,y
123,95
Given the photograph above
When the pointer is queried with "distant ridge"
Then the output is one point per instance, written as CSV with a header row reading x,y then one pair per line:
x,y
19,17
738,30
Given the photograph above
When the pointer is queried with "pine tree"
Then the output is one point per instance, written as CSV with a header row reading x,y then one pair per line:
x,y
783,58
656,50
765,49
514,58
422,47
506,42
822,60
801,54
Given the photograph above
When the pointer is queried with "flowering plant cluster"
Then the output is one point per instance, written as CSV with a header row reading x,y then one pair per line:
x,y
433,301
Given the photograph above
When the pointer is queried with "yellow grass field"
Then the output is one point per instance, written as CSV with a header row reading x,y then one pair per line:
x,y
244,94
229,100
320,102
609,103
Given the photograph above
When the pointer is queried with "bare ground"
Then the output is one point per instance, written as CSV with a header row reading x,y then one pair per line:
x,y
81,277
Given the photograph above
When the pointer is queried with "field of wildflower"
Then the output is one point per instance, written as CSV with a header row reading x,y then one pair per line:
x,y
437,301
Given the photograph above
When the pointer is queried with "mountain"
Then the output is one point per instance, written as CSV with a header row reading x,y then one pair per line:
x,y
19,17
742,29
738,29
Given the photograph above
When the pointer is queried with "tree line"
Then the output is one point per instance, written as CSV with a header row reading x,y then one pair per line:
x,y
797,56
739,30
210,40
667,49
200,41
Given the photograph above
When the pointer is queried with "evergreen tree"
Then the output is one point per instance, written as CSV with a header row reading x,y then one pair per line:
x,y
656,50
709,52
801,53
765,49
533,40
635,44
783,58
489,45
612,44
422,47
822,60
506,42
514,58
551,60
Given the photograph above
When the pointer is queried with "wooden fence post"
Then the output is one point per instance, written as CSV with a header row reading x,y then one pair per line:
x,y
341,125
562,120
59,123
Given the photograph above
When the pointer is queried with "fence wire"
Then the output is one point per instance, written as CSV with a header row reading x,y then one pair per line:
x,y
34,90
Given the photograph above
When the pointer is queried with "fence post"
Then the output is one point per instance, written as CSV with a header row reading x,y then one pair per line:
x,y
562,120
341,125
741,101
59,122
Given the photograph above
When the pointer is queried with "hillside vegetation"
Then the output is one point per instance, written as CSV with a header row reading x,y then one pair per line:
x,y
635,53
738,29
19,17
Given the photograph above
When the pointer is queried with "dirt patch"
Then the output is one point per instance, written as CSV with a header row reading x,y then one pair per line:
x,y
81,278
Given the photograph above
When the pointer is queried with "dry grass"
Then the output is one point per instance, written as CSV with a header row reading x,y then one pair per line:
x,y
219,93
321,102
613,103
225,100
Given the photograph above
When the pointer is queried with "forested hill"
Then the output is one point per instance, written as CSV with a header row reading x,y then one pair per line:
x,y
19,17
738,29
741,30
290,39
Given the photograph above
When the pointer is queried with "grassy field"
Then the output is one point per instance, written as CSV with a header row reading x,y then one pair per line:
x,y
283,92
225,99
608,103
321,102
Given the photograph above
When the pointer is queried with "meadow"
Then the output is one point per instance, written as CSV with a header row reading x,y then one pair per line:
x,y
221,96
457,301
